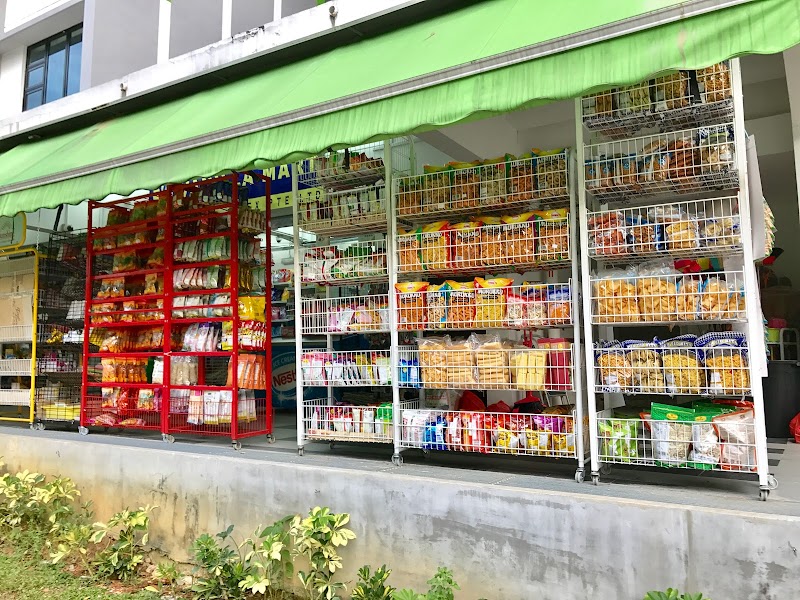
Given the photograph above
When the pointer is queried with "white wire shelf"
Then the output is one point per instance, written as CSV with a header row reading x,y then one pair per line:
x,y
445,364
655,297
716,444
329,422
550,434
684,99
467,306
347,213
16,333
346,369
354,262
687,161
15,366
500,186
688,229
691,371
522,243
15,397
348,314
335,171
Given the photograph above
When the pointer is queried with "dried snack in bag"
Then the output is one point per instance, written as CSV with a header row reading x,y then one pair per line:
x,y
551,173
436,303
608,234
716,149
559,304
491,359
460,364
618,439
461,304
536,314
688,299
438,188
519,234
409,198
435,246
671,432
682,370
433,361
672,91
645,361
466,185
411,304
714,83
656,289
408,250
616,374
615,297
552,228
490,302
466,239
521,184
494,178
492,242
737,435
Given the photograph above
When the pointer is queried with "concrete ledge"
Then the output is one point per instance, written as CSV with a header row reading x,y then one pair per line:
x,y
504,543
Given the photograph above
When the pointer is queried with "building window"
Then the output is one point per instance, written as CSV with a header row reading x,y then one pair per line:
x,y
54,68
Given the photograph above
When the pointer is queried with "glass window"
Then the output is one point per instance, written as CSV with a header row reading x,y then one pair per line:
x,y
54,68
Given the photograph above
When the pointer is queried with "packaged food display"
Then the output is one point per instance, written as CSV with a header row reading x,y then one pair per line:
x,y
552,235
438,188
461,304
409,257
491,359
645,362
656,291
615,298
671,431
466,238
494,177
490,302
521,182
435,246
409,199
466,185
616,373
714,83
411,304
672,91
551,173
436,305
433,361
519,235
461,362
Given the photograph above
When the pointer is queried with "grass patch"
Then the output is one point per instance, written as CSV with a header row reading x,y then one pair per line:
x,y
24,575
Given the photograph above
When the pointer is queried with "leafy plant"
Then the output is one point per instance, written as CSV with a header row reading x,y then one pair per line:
x,y
29,502
317,537
222,569
372,586
442,585
672,594
73,544
269,560
122,558
165,577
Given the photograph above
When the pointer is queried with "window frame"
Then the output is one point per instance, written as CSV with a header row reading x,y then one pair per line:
x,y
28,89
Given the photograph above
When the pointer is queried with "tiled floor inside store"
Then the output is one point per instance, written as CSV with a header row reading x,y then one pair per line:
x,y
690,488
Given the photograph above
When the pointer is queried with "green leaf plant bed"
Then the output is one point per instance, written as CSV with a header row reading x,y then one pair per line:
x,y
52,546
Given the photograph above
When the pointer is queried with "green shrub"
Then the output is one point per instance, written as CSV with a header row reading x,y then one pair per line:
x,y
671,594
128,532
372,586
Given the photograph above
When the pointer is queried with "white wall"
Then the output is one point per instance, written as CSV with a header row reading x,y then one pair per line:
x,y
248,14
120,36
194,24
18,12
12,80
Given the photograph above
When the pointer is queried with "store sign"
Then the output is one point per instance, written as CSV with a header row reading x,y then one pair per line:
x,y
284,380
280,186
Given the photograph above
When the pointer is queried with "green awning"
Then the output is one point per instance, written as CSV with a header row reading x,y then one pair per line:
x,y
215,131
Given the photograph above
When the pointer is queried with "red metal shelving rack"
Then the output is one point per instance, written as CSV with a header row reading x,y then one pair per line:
x,y
195,212
118,403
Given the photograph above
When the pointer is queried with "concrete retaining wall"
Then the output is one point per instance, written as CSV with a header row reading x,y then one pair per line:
x,y
503,543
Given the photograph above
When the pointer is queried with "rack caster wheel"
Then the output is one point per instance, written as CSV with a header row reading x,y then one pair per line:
x,y
41,427
397,460
332,445
772,482
301,451
83,430
605,469
37,426
237,446
763,495
270,438
595,479
579,476
170,439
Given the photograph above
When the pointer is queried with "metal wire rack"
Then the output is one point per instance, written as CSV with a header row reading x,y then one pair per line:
x,y
687,161
327,421
468,306
345,263
682,99
488,365
348,314
519,244
686,229
346,368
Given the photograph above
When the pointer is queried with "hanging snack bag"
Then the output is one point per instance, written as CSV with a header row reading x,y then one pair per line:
x,y
552,235
608,234
682,365
466,185
515,309
519,235
716,149
559,304
643,236
435,246
438,188
535,295
436,303
714,83
409,197
645,360
671,433
494,177
433,361
491,359
671,91
460,364
616,373
461,304
705,451
656,288
490,302
737,436
591,172
726,362
551,173
411,304
492,242
522,185
466,238
615,297
619,439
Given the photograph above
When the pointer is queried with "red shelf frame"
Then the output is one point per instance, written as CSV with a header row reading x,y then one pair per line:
x,y
257,417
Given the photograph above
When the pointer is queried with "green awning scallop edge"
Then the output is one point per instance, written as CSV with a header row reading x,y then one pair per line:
x,y
756,27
